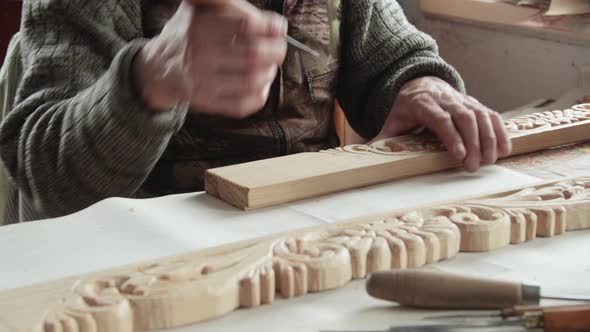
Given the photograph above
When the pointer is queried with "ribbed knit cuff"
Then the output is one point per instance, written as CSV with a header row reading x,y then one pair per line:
x,y
128,90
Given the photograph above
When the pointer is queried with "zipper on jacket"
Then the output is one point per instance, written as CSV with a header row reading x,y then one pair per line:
x,y
309,86
277,6
282,137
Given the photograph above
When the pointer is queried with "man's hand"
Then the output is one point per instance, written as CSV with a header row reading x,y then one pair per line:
x,y
470,131
219,61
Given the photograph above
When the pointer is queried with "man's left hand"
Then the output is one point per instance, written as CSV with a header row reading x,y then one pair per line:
x,y
470,131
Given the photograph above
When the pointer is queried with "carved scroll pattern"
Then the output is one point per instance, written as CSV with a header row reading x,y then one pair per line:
x,y
546,211
550,210
396,146
482,228
548,119
179,292
183,291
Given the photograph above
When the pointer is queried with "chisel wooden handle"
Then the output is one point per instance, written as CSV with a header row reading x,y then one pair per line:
x,y
566,318
428,289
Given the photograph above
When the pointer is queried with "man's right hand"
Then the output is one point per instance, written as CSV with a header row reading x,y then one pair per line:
x,y
219,61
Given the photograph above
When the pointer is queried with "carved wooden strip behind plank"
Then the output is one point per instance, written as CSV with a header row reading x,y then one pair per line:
x,y
210,283
285,179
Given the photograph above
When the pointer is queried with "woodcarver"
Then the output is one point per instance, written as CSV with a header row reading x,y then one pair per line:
x,y
138,98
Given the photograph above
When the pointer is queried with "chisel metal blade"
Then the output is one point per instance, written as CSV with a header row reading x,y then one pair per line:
x,y
301,46
566,297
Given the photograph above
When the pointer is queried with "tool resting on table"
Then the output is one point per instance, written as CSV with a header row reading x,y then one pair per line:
x,y
574,318
518,303
245,7
439,290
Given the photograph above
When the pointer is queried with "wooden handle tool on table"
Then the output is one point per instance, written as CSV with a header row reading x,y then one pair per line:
x,y
560,319
439,290
571,318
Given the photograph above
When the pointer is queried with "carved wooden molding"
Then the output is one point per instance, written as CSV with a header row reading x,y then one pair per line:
x,y
210,283
545,211
285,179
176,292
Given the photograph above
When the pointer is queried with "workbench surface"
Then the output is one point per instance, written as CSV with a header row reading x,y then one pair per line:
x,y
117,232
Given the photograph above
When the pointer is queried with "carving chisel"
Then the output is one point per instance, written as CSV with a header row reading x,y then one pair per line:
x,y
440,290
246,8
571,318
575,318
301,46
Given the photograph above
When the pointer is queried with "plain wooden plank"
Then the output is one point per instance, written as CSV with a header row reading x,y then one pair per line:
x,y
290,178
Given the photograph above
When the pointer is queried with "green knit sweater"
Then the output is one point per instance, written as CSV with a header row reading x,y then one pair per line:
x,y
79,133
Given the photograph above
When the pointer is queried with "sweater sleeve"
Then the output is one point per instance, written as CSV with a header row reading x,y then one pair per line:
x,y
381,52
79,132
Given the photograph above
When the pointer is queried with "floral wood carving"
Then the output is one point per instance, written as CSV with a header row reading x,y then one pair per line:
x,y
482,228
490,223
396,146
178,292
549,119
546,211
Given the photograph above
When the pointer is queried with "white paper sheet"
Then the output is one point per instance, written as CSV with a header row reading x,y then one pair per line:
x,y
118,231
442,186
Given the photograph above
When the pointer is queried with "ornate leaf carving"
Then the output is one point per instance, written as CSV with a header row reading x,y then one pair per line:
x,y
549,119
175,292
546,211
396,146
178,292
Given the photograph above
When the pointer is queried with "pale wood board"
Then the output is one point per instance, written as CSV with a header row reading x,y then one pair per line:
x,y
499,16
290,178
206,284
495,12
